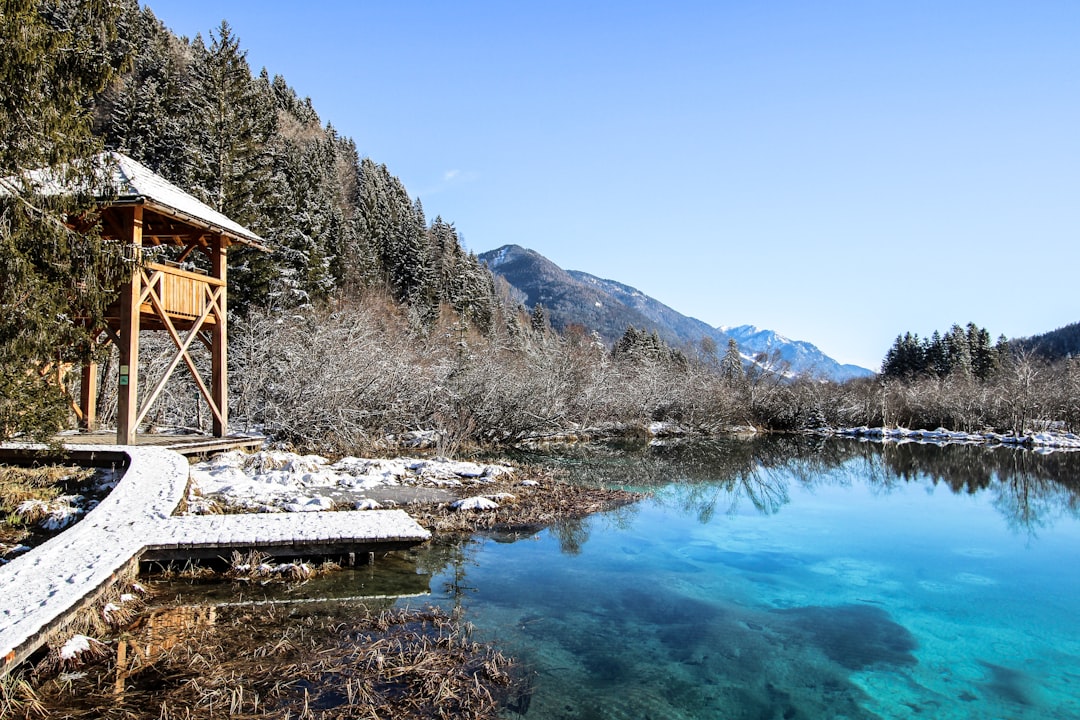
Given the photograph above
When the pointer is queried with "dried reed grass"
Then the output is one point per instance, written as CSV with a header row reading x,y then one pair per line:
x,y
275,663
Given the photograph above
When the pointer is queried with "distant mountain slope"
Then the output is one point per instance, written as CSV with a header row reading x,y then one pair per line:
x,y
609,307
566,299
1053,345
674,327
801,355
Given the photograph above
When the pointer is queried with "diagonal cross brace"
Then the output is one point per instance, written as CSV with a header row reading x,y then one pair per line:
x,y
214,306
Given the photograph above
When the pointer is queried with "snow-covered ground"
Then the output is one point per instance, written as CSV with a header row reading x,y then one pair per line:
x,y
277,481
1039,442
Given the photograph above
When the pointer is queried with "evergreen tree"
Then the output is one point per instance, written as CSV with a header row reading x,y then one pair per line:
x,y
229,127
55,280
906,358
143,113
983,358
638,345
934,356
958,351
731,366
539,319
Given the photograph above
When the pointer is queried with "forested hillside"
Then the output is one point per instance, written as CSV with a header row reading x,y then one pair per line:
x,y
249,146
1054,345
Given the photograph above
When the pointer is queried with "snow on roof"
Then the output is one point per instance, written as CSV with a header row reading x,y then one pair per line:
x,y
134,183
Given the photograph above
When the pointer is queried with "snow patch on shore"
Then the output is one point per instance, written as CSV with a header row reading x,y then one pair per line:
x,y
1039,442
275,481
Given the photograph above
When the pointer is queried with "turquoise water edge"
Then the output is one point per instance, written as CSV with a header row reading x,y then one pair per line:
x,y
794,580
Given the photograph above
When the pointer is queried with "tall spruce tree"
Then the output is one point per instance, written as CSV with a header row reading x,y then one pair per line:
x,y
229,128
143,113
731,366
55,280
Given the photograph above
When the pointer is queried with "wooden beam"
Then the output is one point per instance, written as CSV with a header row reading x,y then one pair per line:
x,y
219,382
88,391
187,251
130,310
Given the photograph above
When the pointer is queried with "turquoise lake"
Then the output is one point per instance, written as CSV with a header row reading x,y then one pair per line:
x,y
792,579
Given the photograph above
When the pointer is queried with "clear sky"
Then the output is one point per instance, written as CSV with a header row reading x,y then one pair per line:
x,y
839,172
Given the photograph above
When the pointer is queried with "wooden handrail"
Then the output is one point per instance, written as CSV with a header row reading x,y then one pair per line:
x,y
185,274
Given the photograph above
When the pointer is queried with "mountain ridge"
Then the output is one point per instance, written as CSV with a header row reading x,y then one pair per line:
x,y
608,307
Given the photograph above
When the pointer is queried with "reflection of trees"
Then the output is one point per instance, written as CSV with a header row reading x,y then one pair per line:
x,y
1029,501
1029,488
722,475
571,533
457,554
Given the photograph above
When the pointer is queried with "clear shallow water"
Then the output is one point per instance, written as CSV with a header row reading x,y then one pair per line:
x,y
779,579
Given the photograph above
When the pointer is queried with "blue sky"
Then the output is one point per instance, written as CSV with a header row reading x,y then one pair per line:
x,y
839,172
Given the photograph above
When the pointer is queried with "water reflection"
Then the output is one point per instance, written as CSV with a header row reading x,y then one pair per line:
x,y
789,577
1030,489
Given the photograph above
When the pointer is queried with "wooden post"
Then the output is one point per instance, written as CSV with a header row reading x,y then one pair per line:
x,y
219,382
130,309
88,390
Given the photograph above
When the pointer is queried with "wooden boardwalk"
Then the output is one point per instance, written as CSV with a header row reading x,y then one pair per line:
x,y
185,444
284,534
43,589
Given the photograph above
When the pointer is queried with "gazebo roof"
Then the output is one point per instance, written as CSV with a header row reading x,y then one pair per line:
x,y
135,184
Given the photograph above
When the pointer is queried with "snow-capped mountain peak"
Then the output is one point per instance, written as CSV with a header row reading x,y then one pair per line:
x,y
608,307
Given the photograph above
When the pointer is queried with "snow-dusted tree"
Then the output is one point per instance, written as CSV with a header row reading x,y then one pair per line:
x,y
231,125
906,358
393,230
54,280
143,112
959,352
983,358
539,319
228,130
731,366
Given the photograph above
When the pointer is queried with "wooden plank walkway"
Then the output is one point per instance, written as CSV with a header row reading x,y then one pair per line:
x,y
43,589
185,444
284,534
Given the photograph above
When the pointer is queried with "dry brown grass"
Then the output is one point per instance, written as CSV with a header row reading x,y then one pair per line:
x,y
274,662
532,507
19,484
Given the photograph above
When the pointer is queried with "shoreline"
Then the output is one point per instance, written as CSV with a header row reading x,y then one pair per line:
x,y
1046,441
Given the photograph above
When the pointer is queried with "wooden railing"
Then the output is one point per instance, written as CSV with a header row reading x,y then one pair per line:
x,y
184,294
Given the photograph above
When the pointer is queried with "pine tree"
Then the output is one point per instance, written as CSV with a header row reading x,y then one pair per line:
x,y
935,356
143,113
906,358
55,282
228,130
731,366
983,360
539,319
959,352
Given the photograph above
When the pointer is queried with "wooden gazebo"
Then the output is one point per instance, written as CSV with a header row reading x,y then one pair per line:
x,y
173,296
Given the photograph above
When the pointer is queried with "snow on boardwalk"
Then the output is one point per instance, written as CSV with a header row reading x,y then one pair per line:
x,y
304,533
41,589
